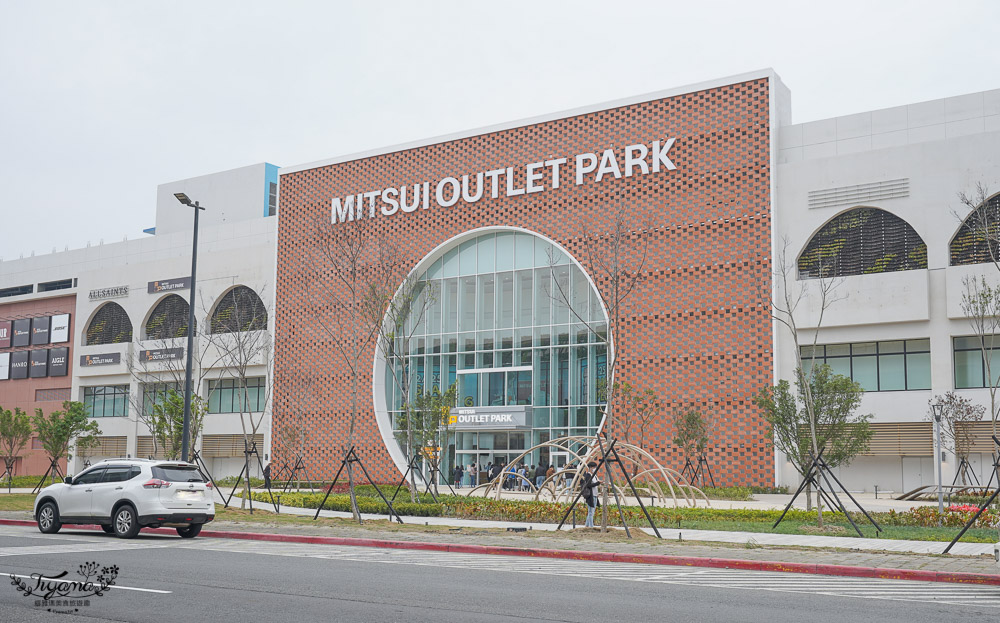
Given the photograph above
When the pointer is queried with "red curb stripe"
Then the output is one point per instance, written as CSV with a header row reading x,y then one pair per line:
x,y
955,577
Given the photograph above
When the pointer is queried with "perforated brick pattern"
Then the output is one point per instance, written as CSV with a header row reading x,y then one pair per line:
x,y
696,330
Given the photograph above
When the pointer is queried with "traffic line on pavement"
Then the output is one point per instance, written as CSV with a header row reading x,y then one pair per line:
x,y
962,578
729,579
124,588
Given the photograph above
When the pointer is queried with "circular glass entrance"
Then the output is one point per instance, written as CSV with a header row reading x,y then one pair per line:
x,y
510,323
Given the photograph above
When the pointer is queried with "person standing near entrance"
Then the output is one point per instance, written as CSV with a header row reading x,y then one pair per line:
x,y
457,476
471,471
540,475
590,488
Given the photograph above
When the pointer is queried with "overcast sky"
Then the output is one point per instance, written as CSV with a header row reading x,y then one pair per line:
x,y
102,101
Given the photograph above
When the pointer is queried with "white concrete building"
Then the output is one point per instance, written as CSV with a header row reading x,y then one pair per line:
x,y
910,162
130,317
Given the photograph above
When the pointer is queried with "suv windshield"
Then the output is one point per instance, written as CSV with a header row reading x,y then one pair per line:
x,y
178,473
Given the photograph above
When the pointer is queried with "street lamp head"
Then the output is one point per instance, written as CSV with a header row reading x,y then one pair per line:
x,y
183,198
938,409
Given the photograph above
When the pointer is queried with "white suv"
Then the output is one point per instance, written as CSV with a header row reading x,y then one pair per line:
x,y
125,495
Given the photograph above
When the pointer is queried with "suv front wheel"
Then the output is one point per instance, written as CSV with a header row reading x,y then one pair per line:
x,y
126,522
48,518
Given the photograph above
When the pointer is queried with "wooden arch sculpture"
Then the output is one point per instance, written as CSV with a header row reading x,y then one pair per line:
x,y
660,483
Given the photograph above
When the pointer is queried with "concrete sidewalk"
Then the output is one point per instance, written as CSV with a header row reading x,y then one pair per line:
x,y
713,536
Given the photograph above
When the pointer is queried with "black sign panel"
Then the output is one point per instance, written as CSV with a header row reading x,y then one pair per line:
x,y
38,363
19,365
22,332
100,359
40,330
58,361
161,354
166,285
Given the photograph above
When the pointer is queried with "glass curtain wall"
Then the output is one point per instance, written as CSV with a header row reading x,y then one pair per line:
x,y
509,320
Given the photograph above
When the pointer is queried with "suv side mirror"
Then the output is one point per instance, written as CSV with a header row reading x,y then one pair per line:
x,y
68,480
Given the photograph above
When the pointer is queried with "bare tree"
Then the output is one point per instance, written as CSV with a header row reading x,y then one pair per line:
x,y
159,372
355,266
957,417
242,350
397,316
981,307
294,433
636,409
615,258
978,241
784,300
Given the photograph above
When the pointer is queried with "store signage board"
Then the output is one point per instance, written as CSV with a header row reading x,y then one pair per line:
x,y
59,361
490,418
100,359
38,363
19,365
21,335
6,329
4,366
168,285
40,330
59,331
161,354
113,292
511,181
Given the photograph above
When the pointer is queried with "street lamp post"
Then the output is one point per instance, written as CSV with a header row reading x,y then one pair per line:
x,y
938,408
186,432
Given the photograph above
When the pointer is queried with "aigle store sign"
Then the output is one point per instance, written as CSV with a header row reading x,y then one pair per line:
x,y
538,177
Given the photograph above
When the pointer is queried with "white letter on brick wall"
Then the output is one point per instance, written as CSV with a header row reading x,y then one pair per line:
x,y
609,164
455,192
632,160
555,170
342,213
580,169
389,199
660,155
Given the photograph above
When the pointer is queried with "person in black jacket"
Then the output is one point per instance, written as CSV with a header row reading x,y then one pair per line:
x,y
590,487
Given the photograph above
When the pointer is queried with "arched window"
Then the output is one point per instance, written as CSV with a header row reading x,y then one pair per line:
x,y
110,325
862,241
169,319
512,325
978,240
240,309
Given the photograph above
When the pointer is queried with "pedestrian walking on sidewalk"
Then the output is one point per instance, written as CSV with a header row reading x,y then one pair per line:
x,y
590,488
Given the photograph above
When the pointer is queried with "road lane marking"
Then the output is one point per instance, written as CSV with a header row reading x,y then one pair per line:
x,y
124,588
727,579
730,579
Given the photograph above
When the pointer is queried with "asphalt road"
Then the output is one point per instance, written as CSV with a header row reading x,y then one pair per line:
x,y
163,578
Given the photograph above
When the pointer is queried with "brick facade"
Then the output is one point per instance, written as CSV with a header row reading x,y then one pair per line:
x,y
696,329
47,393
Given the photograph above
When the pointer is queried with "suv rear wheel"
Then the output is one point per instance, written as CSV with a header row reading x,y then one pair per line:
x,y
190,532
48,518
125,522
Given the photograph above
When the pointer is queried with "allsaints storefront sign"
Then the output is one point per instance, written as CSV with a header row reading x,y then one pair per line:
x,y
538,177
